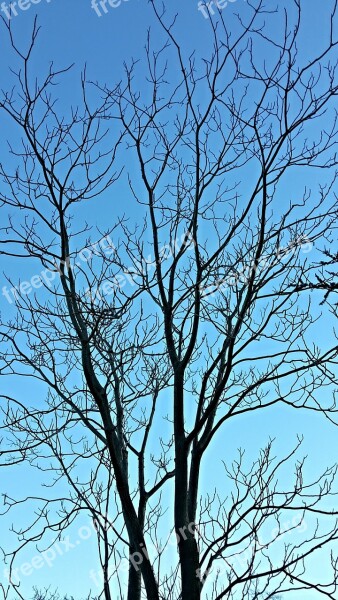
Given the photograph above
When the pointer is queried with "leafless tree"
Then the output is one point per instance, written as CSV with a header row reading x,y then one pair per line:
x,y
202,309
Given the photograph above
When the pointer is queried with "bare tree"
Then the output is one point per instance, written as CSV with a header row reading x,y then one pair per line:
x,y
150,336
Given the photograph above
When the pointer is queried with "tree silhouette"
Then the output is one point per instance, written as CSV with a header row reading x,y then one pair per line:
x,y
149,338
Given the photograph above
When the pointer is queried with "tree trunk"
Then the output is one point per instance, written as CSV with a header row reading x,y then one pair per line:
x,y
135,534
133,525
187,545
107,594
134,582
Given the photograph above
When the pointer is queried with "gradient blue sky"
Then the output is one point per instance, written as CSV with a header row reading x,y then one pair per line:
x,y
71,32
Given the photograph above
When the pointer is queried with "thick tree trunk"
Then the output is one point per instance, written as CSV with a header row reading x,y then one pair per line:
x,y
107,594
187,545
188,552
134,576
134,582
135,533
133,525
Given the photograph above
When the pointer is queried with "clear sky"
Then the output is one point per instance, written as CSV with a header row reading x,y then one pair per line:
x,y
72,32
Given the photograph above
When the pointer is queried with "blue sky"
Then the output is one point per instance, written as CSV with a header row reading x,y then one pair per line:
x,y
71,32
